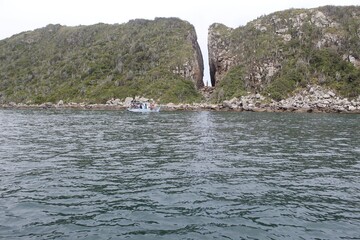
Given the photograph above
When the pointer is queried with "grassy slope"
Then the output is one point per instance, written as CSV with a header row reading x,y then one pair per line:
x,y
95,63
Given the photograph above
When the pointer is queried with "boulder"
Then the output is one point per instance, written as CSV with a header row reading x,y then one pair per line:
x,y
351,108
116,102
127,101
331,94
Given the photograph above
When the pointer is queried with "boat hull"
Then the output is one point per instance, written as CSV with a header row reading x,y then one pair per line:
x,y
143,110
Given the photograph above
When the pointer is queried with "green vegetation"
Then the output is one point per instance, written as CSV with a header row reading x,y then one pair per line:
x,y
325,67
335,72
284,83
232,85
99,62
305,46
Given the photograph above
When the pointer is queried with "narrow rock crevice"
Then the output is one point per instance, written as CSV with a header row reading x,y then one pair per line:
x,y
212,73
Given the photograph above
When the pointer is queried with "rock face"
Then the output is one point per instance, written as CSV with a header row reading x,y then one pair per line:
x,y
198,63
286,50
194,68
159,58
221,57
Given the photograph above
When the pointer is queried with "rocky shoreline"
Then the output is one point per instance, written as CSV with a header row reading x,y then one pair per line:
x,y
313,99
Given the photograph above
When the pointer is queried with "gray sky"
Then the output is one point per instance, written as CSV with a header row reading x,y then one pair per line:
x,y
22,15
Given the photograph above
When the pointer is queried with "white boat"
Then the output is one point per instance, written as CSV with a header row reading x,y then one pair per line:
x,y
143,107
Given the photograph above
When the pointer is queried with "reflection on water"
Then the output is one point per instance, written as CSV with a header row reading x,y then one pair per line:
x,y
178,175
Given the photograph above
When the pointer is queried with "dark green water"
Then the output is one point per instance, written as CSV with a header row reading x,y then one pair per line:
x,y
178,175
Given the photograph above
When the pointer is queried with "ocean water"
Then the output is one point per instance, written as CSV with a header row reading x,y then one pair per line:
x,y
71,174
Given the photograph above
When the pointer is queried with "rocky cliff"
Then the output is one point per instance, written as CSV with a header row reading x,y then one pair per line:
x,y
159,59
276,54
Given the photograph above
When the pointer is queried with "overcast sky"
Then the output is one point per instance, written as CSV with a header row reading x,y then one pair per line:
x,y
21,15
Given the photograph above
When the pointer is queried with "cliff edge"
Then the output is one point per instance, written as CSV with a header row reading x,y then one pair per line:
x,y
280,53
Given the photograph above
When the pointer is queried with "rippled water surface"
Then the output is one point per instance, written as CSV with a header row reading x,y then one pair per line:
x,y
178,175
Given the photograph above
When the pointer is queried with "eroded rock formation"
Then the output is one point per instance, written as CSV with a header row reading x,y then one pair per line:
x,y
221,58
194,68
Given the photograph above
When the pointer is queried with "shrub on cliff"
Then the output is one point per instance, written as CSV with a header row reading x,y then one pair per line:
x,y
98,62
231,86
290,49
